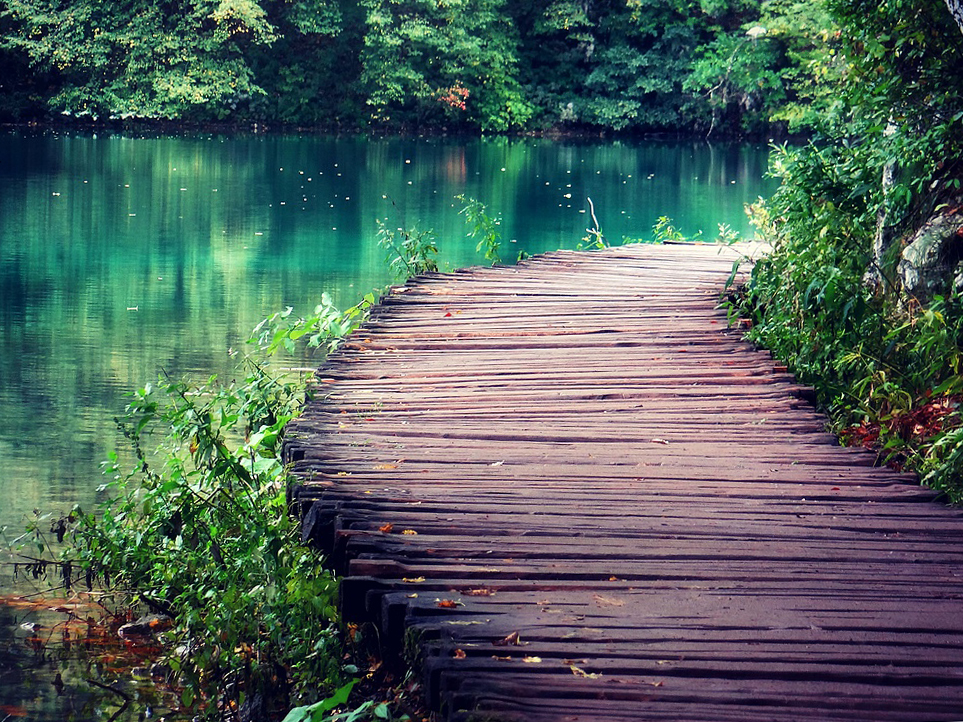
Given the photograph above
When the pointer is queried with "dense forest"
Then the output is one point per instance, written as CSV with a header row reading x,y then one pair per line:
x,y
708,67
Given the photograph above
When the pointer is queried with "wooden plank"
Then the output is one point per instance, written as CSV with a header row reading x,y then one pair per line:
x,y
577,453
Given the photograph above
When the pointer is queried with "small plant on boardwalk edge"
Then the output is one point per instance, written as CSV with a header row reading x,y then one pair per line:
x,y
199,530
409,252
482,228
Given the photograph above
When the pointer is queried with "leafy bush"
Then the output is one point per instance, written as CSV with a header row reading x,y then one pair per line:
x,y
482,228
199,529
409,252
886,367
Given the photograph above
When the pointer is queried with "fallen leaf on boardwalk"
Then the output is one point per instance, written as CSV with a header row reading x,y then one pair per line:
x,y
478,592
459,654
532,660
607,601
502,659
579,672
344,473
409,532
448,315
386,528
413,580
497,463
385,467
660,441
448,603
509,640
613,579
412,596
570,662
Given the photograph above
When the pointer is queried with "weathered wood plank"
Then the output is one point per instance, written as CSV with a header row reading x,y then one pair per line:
x,y
577,454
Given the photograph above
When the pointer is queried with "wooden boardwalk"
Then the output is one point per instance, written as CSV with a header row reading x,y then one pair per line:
x,y
568,492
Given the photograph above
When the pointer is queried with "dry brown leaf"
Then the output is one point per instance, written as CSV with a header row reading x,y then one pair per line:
x,y
413,580
409,532
448,603
459,654
603,601
385,467
579,672
511,639
532,660
386,528
478,592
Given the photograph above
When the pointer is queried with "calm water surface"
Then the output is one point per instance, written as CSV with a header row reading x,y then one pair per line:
x,y
122,257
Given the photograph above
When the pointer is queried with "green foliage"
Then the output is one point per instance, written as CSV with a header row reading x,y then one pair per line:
x,y
482,228
443,62
887,368
200,529
325,328
484,65
142,60
779,65
664,232
408,252
323,711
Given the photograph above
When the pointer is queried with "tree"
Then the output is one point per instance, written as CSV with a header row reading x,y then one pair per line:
x,y
956,10
186,60
450,61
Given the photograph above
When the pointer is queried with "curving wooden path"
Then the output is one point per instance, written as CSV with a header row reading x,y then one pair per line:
x,y
568,492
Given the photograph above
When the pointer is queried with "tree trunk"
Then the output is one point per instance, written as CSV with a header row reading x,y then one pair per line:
x,y
956,10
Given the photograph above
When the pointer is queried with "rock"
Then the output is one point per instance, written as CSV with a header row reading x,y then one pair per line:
x,y
146,626
931,260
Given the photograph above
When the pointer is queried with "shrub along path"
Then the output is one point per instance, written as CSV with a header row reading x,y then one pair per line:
x,y
572,494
